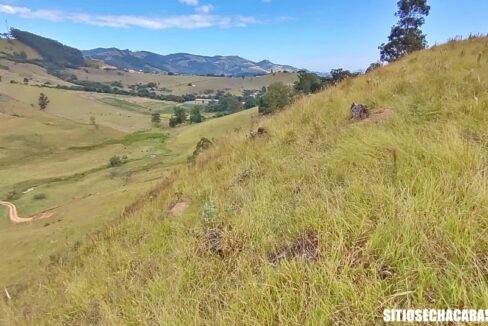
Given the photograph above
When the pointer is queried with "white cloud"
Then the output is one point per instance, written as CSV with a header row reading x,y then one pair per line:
x,y
202,19
205,9
13,10
189,2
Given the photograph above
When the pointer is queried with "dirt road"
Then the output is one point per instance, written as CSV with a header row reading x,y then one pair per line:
x,y
15,218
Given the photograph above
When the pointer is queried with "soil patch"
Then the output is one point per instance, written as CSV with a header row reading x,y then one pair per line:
x,y
179,208
378,116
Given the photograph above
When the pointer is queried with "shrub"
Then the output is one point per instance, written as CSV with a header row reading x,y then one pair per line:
x,y
195,115
13,195
278,96
173,122
43,101
373,66
202,145
178,117
40,196
308,82
208,213
156,118
116,161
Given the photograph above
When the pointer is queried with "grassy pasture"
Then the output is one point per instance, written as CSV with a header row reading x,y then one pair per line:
x,y
61,160
397,207
37,75
72,106
184,139
179,85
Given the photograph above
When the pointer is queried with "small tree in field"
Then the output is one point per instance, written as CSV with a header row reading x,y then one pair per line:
x,y
180,115
173,122
406,37
93,122
43,101
156,118
195,115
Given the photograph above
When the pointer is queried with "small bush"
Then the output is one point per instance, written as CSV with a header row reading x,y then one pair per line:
x,y
115,161
13,195
40,196
202,145
277,97
208,213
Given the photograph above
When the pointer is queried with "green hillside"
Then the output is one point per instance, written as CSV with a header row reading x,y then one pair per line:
x,y
321,220
58,161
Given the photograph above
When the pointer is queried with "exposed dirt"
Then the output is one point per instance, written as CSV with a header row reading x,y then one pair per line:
x,y
259,133
16,219
378,116
179,208
306,247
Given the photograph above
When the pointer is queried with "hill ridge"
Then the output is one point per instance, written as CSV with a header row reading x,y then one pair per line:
x,y
184,63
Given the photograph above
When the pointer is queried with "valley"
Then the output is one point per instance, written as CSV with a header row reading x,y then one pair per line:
x,y
58,160
159,187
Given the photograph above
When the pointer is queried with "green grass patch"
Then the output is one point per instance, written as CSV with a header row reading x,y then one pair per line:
x,y
144,136
125,105
127,140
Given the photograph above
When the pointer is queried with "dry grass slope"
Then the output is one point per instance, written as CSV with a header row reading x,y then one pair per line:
x,y
11,47
395,212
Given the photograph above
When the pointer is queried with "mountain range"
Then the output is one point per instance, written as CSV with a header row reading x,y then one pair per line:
x,y
184,63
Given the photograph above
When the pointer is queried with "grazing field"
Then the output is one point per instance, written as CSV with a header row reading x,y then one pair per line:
x,y
12,47
71,106
181,85
16,72
323,220
59,159
184,139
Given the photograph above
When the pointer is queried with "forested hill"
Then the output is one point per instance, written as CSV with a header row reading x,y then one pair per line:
x,y
184,63
52,52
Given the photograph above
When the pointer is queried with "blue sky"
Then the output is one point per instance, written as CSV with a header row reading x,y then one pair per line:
x,y
314,34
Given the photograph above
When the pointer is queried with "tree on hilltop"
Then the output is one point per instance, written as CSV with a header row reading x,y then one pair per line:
x,y
406,36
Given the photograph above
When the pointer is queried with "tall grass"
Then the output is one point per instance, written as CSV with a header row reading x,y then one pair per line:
x,y
399,206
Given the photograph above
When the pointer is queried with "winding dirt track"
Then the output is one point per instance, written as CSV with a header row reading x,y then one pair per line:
x,y
16,219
